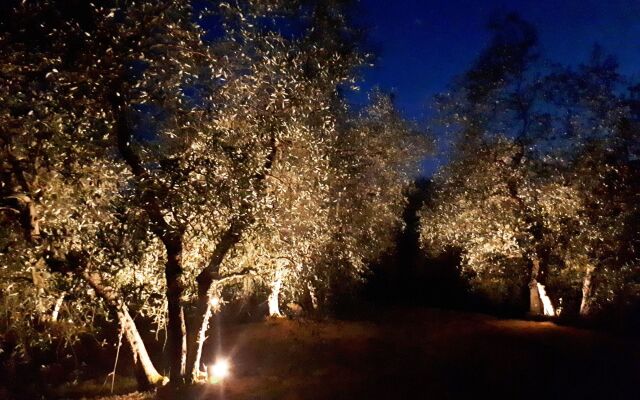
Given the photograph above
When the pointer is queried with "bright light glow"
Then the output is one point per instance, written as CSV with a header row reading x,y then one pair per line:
x,y
549,311
219,371
215,301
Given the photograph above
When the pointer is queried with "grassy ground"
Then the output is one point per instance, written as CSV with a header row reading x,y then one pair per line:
x,y
425,354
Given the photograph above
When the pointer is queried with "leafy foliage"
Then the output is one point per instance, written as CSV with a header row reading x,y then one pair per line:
x,y
147,161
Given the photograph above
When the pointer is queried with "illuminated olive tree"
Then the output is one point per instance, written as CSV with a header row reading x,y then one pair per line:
x,y
139,159
319,234
60,175
486,202
528,195
290,97
376,159
289,234
601,130
132,88
506,220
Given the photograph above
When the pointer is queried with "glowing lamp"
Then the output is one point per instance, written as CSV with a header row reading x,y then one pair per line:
x,y
215,301
219,371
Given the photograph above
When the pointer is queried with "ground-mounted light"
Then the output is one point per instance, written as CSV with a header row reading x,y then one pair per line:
x,y
219,371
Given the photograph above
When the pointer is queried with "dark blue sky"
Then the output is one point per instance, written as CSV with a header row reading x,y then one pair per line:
x,y
423,44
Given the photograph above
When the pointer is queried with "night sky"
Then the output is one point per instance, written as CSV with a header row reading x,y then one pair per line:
x,y
423,44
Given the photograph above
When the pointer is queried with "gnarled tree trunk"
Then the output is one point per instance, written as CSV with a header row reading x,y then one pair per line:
x,y
170,236
205,280
547,305
204,312
539,302
140,354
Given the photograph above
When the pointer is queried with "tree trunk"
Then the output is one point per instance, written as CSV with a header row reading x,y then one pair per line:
x,y
127,323
152,377
313,295
209,281
205,280
176,329
547,305
274,296
587,289
30,220
57,306
535,303
171,237
194,356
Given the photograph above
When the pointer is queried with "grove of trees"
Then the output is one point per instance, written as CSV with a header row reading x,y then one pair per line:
x,y
541,188
161,158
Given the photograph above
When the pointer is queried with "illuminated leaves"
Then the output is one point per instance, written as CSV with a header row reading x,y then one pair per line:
x,y
201,118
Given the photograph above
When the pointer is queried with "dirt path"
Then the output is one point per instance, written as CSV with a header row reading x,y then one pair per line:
x,y
427,354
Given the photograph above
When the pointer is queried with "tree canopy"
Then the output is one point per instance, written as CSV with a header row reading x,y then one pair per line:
x,y
153,162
